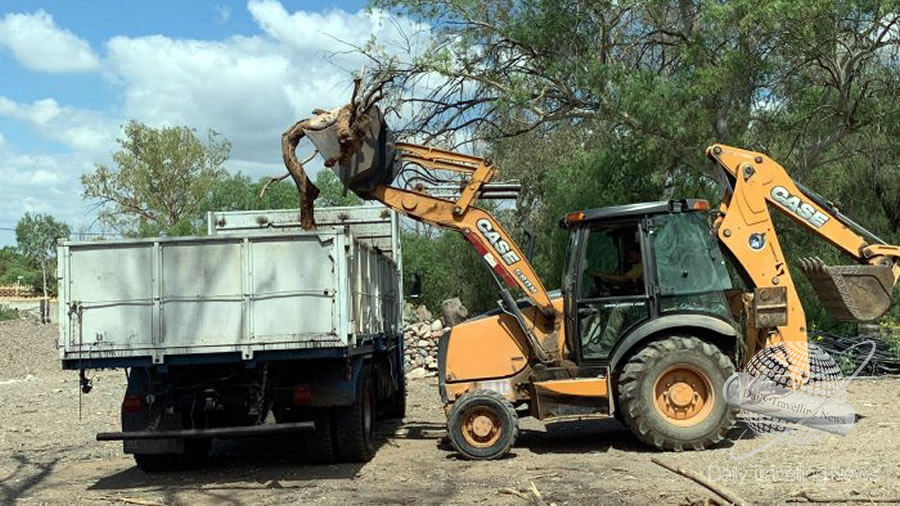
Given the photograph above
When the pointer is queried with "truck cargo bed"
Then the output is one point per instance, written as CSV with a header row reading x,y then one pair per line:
x,y
228,297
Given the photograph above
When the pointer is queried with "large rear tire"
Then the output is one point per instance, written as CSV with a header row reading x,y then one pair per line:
x,y
318,444
482,425
154,463
670,394
397,404
355,424
196,453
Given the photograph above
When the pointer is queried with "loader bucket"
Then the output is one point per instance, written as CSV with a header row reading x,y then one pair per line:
x,y
851,292
360,155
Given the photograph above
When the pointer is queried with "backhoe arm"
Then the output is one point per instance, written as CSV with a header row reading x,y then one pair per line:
x,y
753,182
478,226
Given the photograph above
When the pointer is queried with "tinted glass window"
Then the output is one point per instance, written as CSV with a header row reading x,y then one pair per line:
x,y
688,259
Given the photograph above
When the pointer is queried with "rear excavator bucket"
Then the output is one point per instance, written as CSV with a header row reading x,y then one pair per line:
x,y
851,292
358,148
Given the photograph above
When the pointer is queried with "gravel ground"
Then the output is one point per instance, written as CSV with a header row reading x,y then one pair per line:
x,y
48,455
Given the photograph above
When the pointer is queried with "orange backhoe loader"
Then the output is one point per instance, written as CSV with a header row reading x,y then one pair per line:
x,y
648,325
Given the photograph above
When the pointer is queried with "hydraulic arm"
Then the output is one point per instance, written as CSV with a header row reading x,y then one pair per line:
x,y
856,292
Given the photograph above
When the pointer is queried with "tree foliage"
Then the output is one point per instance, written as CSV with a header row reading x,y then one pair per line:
x,y
36,238
332,192
159,180
592,103
17,268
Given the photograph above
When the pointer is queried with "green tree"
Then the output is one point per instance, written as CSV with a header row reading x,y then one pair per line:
x,y
237,192
592,103
159,180
36,237
332,192
449,267
17,268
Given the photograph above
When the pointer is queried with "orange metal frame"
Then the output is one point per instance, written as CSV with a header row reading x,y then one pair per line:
x,y
478,226
760,182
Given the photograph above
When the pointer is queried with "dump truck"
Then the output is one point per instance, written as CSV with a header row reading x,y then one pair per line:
x,y
259,328
660,301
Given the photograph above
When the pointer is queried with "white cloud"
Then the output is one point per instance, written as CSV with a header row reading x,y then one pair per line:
x,y
44,184
39,44
223,13
249,88
77,128
324,31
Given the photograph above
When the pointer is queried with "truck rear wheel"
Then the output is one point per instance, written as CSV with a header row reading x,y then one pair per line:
x,y
355,424
482,425
153,463
397,403
318,444
670,394
196,453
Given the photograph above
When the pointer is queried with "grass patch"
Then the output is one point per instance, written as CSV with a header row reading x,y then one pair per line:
x,y
7,313
891,337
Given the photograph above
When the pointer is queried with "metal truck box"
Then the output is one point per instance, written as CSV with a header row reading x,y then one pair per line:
x,y
238,294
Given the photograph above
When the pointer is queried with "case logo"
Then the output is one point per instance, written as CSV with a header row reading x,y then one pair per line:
x,y
487,230
799,207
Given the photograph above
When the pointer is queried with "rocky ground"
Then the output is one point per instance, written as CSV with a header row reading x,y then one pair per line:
x,y
48,455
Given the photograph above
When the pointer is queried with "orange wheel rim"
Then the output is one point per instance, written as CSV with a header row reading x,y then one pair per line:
x,y
683,395
481,427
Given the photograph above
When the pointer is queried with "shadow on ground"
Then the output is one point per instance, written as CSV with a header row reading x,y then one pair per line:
x,y
26,476
257,462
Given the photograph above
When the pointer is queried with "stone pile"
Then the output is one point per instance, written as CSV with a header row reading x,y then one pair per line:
x,y
421,340
421,332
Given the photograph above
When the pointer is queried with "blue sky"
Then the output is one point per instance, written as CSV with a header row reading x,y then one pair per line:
x,y
71,73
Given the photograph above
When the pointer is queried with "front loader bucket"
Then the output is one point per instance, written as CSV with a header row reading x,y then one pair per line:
x,y
851,292
360,154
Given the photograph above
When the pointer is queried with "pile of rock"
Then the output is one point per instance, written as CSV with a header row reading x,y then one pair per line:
x,y
421,340
421,333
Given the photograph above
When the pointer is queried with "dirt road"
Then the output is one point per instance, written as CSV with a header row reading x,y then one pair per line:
x,y
48,455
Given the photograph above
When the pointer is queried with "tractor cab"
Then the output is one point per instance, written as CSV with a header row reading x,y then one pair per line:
x,y
633,266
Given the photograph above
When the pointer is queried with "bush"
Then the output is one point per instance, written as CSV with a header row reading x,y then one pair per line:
x,y
7,313
449,268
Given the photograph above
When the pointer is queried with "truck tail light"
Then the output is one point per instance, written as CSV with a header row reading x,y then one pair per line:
x,y
131,404
302,394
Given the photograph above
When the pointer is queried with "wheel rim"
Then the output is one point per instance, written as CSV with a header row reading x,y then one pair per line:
x,y
481,427
683,395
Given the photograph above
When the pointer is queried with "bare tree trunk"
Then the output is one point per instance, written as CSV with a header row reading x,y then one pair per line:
x,y
306,188
44,274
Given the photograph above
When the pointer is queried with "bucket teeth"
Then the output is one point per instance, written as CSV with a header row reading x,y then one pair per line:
x,y
850,292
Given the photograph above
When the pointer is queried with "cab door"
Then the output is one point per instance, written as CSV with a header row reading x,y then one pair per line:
x,y
610,292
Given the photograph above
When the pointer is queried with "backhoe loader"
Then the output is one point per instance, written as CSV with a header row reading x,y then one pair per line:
x,y
648,324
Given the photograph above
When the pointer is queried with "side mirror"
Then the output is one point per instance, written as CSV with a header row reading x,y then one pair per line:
x,y
416,290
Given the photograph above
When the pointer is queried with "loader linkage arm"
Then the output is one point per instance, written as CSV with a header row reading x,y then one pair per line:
x,y
753,182
478,226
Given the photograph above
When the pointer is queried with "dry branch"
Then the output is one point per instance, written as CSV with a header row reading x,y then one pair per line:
x,y
308,191
729,496
822,500
262,192
133,500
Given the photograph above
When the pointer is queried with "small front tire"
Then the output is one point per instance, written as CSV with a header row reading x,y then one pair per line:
x,y
482,425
